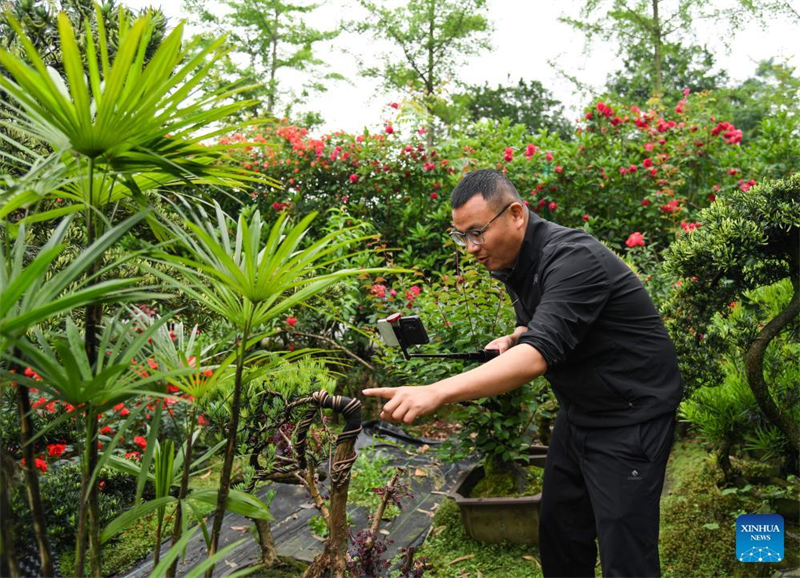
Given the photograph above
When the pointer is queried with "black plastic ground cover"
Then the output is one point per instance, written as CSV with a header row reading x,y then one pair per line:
x,y
430,478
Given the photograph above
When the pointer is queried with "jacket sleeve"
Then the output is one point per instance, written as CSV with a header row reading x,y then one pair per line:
x,y
575,288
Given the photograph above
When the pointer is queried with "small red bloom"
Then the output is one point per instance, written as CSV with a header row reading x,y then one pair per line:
x,y
647,163
559,169
106,430
552,206
291,321
434,195
208,372
645,202
354,178
133,456
394,105
548,156
389,129
201,420
55,450
635,240
508,155
141,442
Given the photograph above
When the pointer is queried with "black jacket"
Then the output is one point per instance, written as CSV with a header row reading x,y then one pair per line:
x,y
609,358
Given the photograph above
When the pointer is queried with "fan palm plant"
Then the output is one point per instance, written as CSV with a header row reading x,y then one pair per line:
x,y
120,126
250,280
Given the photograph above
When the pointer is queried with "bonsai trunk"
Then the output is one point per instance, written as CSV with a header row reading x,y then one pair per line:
x,y
754,364
332,558
269,553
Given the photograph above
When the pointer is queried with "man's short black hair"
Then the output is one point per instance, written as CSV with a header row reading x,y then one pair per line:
x,y
495,188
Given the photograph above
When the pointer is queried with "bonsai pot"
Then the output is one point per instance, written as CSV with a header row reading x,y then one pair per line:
x,y
494,520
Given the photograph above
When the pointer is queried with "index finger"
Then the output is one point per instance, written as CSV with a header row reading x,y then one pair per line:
x,y
384,392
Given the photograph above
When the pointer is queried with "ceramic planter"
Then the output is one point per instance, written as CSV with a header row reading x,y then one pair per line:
x,y
495,520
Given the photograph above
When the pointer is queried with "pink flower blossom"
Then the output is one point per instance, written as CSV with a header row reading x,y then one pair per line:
x,y
635,240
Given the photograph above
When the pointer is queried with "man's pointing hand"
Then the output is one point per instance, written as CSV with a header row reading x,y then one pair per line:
x,y
406,403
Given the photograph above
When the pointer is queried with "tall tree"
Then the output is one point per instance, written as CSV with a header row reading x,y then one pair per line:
x,y
682,66
656,23
433,38
526,102
268,38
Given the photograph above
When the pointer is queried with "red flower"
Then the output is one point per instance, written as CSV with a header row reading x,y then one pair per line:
x,y
40,464
548,156
623,171
732,172
645,202
635,240
141,442
107,430
394,105
55,450
201,420
633,169
530,150
354,178
208,372
647,163
588,115
648,146
508,155
389,129
616,120
291,321
689,227
559,169
133,456
552,206
585,217
670,207
434,195
378,290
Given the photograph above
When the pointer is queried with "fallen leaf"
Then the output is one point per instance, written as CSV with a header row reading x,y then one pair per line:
x,y
231,564
420,473
424,448
461,559
479,574
206,475
240,528
532,559
431,514
384,532
438,530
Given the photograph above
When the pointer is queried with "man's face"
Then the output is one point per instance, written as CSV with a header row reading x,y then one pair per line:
x,y
502,239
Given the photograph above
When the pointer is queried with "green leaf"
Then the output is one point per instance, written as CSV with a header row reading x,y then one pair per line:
x,y
238,502
121,522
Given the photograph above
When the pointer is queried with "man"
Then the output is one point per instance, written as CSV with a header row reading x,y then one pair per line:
x,y
586,323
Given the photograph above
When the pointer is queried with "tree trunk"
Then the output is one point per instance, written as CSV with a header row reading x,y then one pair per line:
x,y
273,65
657,46
38,518
754,364
269,553
230,451
8,554
429,84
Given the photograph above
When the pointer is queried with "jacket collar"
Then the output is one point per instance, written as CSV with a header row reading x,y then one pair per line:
x,y
535,234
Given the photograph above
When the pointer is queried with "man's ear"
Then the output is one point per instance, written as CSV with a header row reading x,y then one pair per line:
x,y
518,211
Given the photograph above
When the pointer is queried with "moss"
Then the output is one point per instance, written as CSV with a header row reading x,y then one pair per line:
x,y
501,484
450,542
698,521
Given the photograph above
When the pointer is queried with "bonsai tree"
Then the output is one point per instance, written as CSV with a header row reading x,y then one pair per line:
x,y
748,239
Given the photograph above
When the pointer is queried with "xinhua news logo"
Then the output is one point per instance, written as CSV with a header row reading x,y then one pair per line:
x,y
759,538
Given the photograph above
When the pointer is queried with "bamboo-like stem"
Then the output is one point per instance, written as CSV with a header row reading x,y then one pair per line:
x,y
38,518
8,555
230,449
183,491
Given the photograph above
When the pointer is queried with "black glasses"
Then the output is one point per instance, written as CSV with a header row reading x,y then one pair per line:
x,y
475,236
